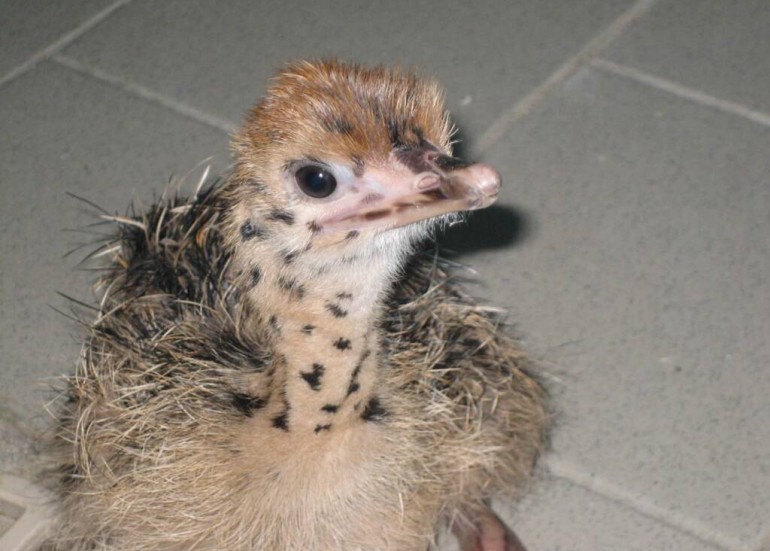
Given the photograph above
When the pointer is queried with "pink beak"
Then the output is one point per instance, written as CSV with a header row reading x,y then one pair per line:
x,y
421,185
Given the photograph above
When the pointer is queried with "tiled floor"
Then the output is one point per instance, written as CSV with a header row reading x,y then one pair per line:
x,y
631,246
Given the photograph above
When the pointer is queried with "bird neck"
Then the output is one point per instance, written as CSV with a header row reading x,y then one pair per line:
x,y
323,320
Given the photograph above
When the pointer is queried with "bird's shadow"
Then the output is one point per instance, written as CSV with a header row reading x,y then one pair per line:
x,y
496,227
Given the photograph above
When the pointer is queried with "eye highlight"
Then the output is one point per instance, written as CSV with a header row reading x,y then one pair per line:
x,y
315,181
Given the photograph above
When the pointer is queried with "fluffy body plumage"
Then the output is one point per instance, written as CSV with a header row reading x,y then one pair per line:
x,y
254,381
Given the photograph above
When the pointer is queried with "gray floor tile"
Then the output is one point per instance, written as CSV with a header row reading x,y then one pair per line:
x,y
558,516
644,284
66,133
217,56
27,26
721,48
630,245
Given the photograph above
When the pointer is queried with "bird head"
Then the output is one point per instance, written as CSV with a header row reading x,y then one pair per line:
x,y
338,158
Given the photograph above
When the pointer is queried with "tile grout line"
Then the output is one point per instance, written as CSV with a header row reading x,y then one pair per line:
x,y
64,40
575,475
522,107
696,96
146,94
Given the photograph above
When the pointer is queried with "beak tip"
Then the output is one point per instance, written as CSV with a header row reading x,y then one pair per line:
x,y
489,180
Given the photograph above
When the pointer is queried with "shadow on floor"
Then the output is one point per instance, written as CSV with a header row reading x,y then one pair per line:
x,y
496,227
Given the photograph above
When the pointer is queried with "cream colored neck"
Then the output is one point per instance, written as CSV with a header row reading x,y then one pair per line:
x,y
324,333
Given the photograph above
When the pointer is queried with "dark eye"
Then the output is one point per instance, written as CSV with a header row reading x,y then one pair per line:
x,y
316,181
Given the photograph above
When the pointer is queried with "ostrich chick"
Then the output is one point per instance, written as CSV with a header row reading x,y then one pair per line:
x,y
275,366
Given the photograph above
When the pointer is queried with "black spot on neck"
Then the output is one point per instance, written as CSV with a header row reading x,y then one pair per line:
x,y
344,296
281,421
313,226
360,363
330,408
336,311
250,231
342,344
352,234
319,428
289,257
353,386
295,289
313,378
246,404
256,275
281,215
374,411
308,329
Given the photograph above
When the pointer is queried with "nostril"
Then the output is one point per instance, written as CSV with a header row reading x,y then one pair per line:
x,y
431,156
428,181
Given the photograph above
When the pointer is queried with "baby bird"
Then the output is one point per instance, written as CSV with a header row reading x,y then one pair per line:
x,y
276,365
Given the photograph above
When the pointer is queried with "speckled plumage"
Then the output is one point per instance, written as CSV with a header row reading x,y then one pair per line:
x,y
187,424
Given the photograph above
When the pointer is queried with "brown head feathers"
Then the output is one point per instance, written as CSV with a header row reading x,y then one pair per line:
x,y
348,113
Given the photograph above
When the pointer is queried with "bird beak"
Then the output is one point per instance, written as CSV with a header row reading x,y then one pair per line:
x,y
418,185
